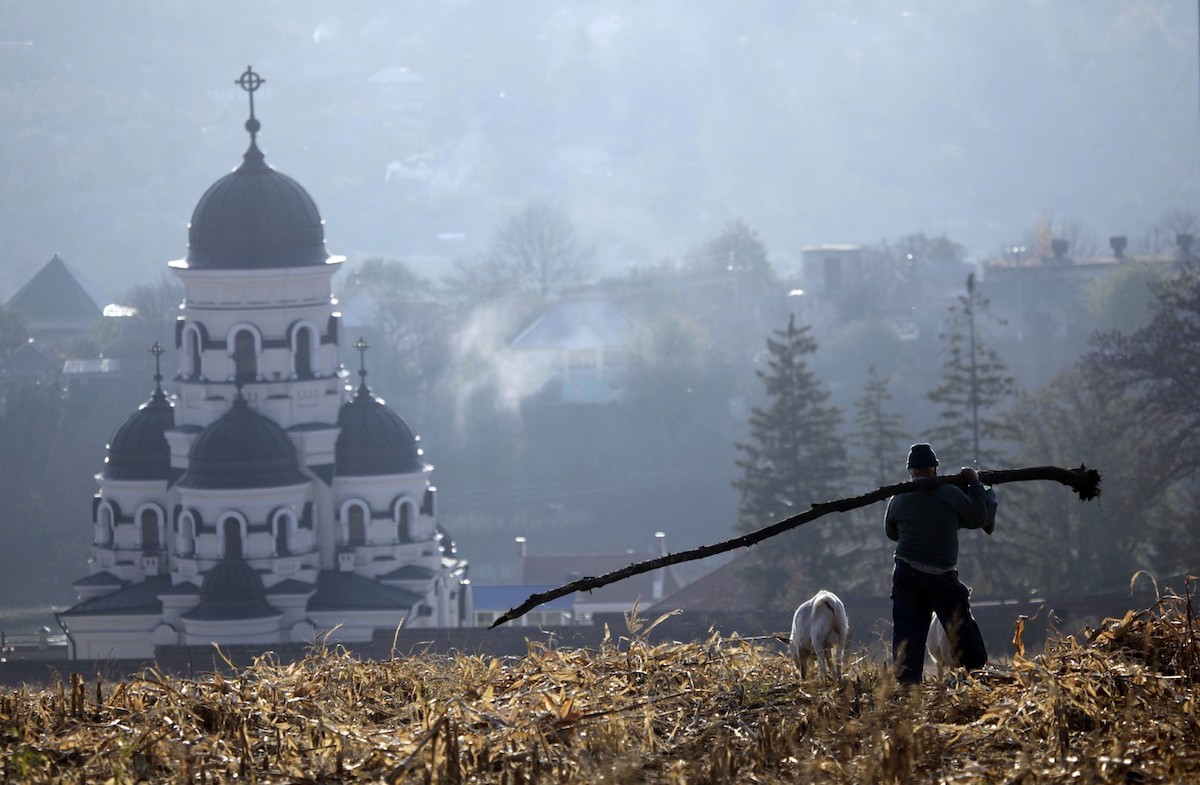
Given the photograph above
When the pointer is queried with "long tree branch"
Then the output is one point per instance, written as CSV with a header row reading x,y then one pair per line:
x,y
1084,481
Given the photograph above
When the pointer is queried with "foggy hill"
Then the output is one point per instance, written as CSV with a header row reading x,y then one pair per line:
x,y
419,128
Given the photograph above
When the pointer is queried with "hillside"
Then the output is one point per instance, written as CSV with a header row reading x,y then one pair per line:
x,y
1114,704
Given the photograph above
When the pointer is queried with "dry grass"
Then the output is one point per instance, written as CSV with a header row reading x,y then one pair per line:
x,y
1116,704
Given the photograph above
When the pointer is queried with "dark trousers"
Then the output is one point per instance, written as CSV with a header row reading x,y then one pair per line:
x,y
916,596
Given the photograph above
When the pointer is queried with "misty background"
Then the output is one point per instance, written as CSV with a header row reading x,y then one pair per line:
x,y
656,136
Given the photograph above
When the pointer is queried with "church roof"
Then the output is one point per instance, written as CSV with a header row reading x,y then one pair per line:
x,y
291,586
135,599
255,217
231,590
409,572
242,449
374,439
104,578
56,293
347,591
139,450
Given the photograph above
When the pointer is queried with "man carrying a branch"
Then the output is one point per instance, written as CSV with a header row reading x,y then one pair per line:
x,y
924,524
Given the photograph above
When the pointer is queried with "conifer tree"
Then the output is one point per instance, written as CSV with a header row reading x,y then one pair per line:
x,y
975,384
878,433
793,459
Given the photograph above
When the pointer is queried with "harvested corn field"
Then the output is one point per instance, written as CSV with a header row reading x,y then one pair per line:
x,y
1114,704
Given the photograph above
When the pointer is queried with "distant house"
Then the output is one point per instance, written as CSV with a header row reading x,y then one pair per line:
x,y
832,269
725,589
30,362
641,590
581,347
1043,301
493,601
58,303
28,365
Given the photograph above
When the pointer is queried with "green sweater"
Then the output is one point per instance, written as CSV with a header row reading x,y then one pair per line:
x,y
925,524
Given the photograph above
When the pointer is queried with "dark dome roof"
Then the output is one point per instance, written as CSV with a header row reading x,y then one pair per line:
x,y
139,450
242,449
374,439
255,217
232,590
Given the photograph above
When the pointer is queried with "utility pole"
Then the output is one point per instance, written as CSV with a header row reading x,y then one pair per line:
x,y
970,309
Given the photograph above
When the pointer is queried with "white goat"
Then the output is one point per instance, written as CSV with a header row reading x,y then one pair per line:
x,y
820,628
939,648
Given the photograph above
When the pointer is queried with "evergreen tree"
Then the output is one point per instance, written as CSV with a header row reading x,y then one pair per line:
x,y
793,459
975,384
878,433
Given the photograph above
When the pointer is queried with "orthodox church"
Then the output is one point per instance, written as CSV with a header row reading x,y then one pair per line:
x,y
264,502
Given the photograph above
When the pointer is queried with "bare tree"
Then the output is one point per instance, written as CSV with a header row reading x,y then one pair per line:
x,y
1180,221
542,251
1081,241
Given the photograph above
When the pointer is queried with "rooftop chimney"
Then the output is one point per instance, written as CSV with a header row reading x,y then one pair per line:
x,y
658,588
1118,245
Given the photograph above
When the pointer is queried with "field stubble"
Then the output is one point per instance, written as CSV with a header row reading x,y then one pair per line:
x,y
1114,704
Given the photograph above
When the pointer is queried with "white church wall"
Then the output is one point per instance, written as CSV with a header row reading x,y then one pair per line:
x,y
113,637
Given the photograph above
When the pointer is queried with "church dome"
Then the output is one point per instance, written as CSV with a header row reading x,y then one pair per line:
x,y
139,450
242,449
253,218
374,439
232,590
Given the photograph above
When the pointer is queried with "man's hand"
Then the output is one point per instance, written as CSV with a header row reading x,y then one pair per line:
x,y
969,473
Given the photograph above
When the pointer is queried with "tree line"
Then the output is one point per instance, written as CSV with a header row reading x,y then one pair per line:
x,y
1129,406
741,403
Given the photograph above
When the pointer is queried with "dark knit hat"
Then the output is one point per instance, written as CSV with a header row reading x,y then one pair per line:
x,y
921,456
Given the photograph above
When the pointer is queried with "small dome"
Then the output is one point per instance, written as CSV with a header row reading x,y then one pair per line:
x,y
255,217
232,590
139,450
374,439
242,449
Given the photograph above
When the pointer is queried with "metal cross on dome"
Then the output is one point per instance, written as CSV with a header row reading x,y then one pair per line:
x,y
362,346
157,350
250,81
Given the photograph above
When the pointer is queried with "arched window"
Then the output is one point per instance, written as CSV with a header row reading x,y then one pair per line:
x,y
148,522
106,526
245,356
356,525
404,516
283,534
186,534
232,529
191,347
303,352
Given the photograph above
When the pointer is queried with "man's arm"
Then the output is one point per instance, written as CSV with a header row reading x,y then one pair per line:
x,y
974,509
889,522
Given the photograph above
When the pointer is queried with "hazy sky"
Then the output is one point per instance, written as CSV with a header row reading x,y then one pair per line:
x,y
419,127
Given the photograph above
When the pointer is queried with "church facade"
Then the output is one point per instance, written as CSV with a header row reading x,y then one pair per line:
x,y
267,501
